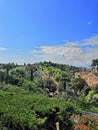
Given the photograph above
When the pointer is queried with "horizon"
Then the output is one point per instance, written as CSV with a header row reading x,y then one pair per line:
x,y
35,63
64,32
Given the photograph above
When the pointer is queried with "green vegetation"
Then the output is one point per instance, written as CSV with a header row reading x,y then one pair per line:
x,y
34,112
36,96
95,63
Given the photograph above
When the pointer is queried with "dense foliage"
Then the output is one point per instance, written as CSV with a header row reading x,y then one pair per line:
x,y
33,112
36,96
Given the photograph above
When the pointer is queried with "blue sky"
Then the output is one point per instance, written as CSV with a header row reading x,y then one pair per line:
x,y
62,31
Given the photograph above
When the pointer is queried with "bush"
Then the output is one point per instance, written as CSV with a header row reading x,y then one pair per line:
x,y
34,112
31,86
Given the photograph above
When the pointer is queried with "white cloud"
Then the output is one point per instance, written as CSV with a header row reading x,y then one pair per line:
x,y
35,52
71,44
60,50
79,53
93,40
3,49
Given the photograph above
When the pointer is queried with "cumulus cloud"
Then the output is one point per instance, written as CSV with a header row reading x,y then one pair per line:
x,y
79,53
60,50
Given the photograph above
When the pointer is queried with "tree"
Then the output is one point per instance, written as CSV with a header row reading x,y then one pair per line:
x,y
7,67
49,83
32,68
2,76
78,84
95,63
65,79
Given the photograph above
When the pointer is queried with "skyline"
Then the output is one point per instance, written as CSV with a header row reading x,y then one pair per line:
x,y
58,31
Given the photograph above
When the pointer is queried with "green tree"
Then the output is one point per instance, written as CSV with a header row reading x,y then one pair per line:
x,y
2,76
65,79
7,67
49,83
77,84
95,63
32,68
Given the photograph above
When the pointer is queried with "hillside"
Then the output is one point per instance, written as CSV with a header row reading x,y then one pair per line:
x,y
90,77
36,96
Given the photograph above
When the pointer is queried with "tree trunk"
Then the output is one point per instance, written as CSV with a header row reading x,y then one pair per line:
x,y
31,75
